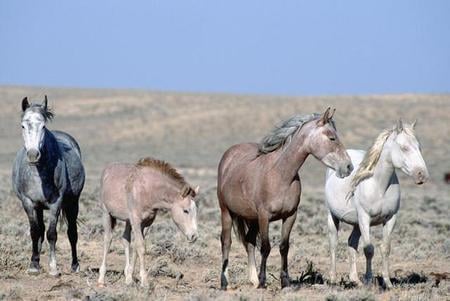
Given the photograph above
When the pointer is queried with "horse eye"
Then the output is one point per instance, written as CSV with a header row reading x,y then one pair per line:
x,y
332,138
186,211
23,126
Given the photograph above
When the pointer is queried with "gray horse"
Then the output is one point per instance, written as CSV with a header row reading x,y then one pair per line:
x,y
47,175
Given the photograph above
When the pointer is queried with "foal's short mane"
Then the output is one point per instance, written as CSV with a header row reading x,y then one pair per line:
x,y
282,133
365,169
47,113
166,169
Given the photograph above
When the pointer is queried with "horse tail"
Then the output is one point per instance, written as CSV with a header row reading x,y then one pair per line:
x,y
63,219
240,228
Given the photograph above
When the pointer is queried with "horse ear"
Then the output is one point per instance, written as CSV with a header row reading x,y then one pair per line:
x,y
332,114
399,127
196,190
413,125
25,104
45,102
325,117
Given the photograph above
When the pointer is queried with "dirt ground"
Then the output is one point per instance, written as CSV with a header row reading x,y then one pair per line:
x,y
192,131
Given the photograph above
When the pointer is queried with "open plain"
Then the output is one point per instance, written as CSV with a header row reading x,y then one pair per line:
x,y
192,131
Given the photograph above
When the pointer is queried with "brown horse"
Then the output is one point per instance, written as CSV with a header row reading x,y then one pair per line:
x,y
134,193
258,184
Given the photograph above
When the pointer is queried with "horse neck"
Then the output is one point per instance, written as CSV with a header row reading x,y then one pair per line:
x,y
50,146
293,155
169,191
384,168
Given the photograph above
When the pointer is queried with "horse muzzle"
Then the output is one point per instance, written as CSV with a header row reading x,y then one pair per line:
x,y
421,176
33,156
344,170
192,237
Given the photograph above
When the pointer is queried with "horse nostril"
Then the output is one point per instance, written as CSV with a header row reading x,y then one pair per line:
x,y
350,167
193,237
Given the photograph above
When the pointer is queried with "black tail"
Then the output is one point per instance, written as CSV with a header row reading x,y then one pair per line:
x,y
240,228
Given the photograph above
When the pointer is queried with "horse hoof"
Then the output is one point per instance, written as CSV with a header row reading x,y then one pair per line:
x,y
223,282
75,268
101,285
55,274
144,284
261,286
285,283
128,281
388,285
33,271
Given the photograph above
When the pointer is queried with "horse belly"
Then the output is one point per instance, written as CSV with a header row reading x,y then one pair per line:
x,y
75,172
115,202
244,209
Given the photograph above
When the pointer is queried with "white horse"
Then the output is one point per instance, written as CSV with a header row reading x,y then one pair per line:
x,y
371,195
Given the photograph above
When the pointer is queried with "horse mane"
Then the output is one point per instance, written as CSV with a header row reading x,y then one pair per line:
x,y
365,169
282,133
166,169
46,112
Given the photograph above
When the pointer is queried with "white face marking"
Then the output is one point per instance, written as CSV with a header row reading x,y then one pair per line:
x,y
33,125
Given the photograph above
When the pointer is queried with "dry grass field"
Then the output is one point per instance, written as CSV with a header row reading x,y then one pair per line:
x,y
192,131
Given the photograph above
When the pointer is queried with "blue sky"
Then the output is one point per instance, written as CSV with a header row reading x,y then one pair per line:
x,y
257,47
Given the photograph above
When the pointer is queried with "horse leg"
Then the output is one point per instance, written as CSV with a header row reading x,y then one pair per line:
x,y
40,219
364,226
35,218
225,239
108,226
333,228
140,247
263,223
52,236
71,212
284,248
386,249
250,239
134,255
126,240
353,241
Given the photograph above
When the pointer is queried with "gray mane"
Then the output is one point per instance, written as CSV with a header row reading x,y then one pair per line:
x,y
283,132
47,113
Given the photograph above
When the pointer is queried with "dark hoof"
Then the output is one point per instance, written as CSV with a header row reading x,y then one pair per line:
x,y
223,282
285,282
262,286
34,268
75,267
368,282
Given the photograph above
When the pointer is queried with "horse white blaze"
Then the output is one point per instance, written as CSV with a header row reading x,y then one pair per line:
x,y
33,134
